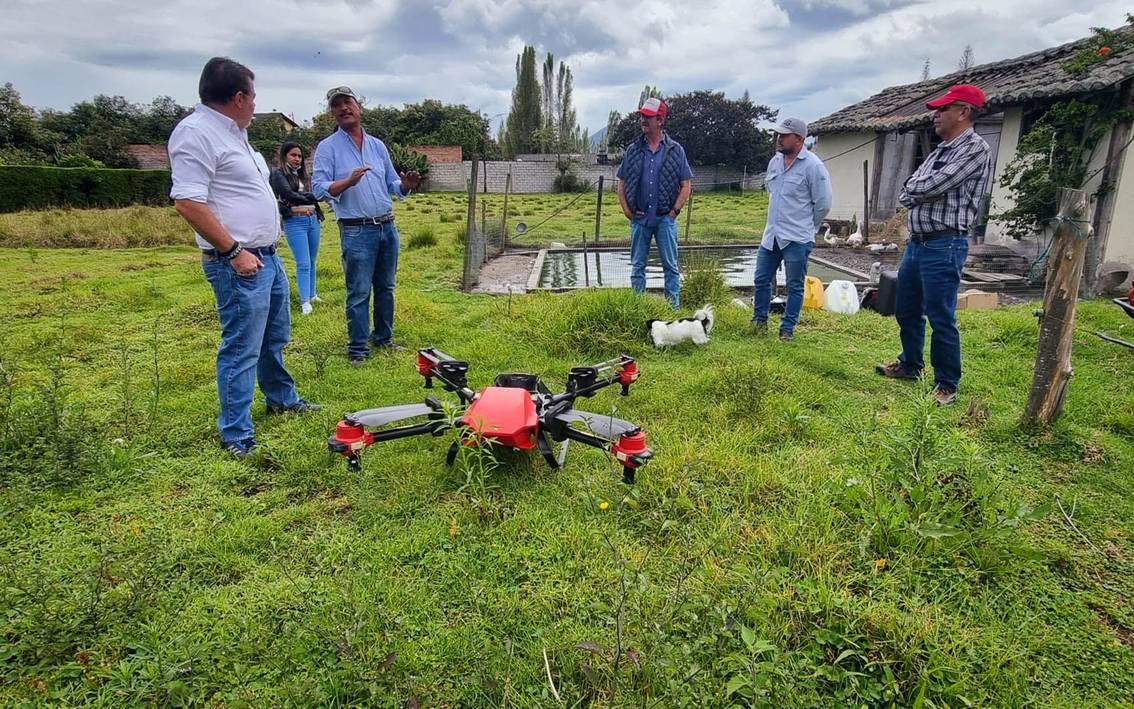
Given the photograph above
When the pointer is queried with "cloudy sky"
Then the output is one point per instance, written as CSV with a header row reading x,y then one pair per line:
x,y
803,57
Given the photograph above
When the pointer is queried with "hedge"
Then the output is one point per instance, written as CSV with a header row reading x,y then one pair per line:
x,y
34,187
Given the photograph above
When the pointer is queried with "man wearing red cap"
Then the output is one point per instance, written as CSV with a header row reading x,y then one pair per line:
x,y
654,180
943,198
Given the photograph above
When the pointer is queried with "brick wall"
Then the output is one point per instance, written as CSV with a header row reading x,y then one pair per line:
x,y
530,177
438,153
149,157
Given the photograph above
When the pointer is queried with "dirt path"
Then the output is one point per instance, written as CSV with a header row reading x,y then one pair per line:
x,y
507,273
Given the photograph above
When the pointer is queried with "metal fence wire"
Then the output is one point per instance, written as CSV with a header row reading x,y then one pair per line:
x,y
497,222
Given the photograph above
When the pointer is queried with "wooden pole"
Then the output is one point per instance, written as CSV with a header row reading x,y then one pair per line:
x,y
471,272
598,210
586,266
504,219
1053,369
865,201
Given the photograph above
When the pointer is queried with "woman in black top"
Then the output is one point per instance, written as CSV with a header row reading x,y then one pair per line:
x,y
301,216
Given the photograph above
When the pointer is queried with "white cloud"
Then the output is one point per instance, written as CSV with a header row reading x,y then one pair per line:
x,y
804,57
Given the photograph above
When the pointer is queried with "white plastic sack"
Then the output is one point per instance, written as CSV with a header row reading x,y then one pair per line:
x,y
842,298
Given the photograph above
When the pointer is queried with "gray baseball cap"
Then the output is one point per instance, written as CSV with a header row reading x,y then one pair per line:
x,y
341,91
792,125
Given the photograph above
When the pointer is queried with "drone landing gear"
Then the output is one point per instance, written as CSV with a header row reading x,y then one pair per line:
x,y
544,445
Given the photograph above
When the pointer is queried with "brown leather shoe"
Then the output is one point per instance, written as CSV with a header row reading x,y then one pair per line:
x,y
895,370
943,396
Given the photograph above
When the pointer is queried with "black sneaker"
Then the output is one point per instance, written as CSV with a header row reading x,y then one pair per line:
x,y
240,449
786,335
389,347
760,327
357,361
299,407
895,370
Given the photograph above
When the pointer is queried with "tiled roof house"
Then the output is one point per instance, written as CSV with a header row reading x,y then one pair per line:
x,y
893,131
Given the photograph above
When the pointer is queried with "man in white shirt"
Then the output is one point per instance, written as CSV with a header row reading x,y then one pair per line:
x,y
220,186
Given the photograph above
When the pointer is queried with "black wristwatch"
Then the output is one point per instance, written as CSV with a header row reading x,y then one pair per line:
x,y
236,251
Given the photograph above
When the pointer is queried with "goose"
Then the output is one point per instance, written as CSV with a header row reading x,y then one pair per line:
x,y
879,248
855,239
828,238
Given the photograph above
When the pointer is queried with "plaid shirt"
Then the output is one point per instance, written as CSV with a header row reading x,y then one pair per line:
x,y
944,193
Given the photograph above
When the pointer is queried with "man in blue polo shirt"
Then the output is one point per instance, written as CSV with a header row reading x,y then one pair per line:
x,y
799,196
654,181
354,172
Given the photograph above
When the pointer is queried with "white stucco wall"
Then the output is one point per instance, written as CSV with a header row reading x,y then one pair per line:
x,y
846,169
1120,243
1001,197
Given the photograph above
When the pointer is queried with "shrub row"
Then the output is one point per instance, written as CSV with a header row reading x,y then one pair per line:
x,y
35,187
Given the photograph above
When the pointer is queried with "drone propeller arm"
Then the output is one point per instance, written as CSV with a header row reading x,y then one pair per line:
x,y
584,381
351,437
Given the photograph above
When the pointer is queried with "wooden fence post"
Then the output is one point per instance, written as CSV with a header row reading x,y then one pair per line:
x,y
1057,320
865,202
472,271
598,210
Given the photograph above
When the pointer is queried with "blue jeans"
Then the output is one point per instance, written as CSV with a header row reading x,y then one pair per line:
x,y
255,326
370,262
302,233
928,280
794,257
665,232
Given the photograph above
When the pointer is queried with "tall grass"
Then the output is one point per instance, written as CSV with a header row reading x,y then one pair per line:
x,y
94,228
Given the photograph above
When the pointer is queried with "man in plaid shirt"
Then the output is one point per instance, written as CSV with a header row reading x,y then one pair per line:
x,y
943,197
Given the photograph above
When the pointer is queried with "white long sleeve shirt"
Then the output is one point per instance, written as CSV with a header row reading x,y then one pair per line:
x,y
213,163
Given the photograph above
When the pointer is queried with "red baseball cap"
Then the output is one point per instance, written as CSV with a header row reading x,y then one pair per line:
x,y
968,93
654,107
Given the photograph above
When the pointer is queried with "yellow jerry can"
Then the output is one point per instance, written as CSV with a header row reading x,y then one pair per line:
x,y
813,297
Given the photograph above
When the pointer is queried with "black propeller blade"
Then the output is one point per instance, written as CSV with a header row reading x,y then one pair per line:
x,y
598,424
389,414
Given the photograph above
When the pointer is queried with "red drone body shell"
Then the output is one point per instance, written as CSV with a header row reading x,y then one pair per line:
x,y
506,415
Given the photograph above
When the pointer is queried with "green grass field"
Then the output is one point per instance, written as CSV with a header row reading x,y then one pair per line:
x,y
809,534
717,217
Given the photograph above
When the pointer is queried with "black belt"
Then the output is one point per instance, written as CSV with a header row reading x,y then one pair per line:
x,y
930,236
358,221
258,250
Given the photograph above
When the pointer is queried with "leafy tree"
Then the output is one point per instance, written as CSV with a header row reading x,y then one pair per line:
x,y
266,134
714,130
648,92
17,121
99,128
561,132
154,124
525,117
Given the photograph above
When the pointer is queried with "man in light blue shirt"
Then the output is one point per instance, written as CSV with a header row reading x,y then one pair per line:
x,y
354,172
799,189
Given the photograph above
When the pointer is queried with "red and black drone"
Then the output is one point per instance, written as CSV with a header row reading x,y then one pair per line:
x,y
517,411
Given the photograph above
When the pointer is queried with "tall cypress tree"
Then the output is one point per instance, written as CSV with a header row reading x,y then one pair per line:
x,y
525,117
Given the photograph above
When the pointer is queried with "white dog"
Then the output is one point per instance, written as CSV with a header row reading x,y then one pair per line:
x,y
696,328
